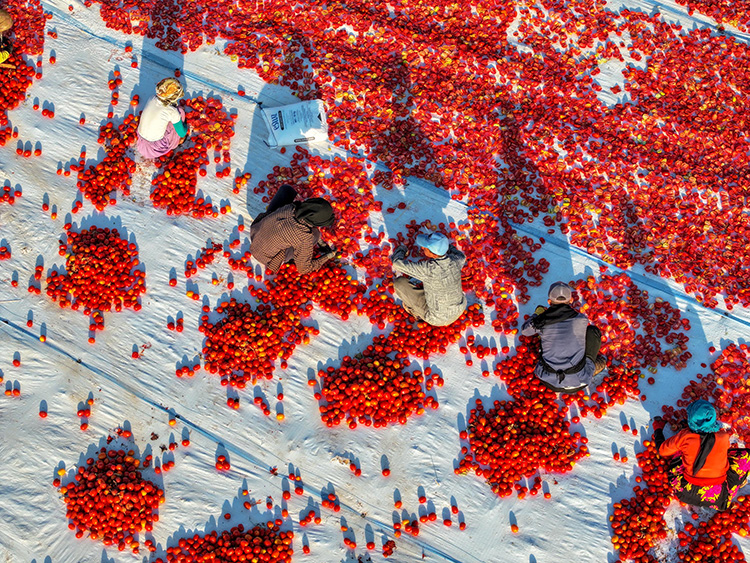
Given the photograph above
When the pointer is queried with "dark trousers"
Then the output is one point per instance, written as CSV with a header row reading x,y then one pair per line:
x,y
593,342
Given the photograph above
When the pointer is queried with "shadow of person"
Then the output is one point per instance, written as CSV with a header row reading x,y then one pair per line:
x,y
263,159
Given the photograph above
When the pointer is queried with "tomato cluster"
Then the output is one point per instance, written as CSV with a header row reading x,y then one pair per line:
x,y
9,194
100,274
388,548
247,341
638,522
514,439
174,185
205,257
372,389
331,287
99,182
4,253
262,543
29,21
111,500
244,344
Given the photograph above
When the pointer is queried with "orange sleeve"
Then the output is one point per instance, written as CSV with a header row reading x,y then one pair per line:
x,y
673,445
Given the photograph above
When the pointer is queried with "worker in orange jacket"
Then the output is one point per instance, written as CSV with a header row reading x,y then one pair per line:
x,y
705,469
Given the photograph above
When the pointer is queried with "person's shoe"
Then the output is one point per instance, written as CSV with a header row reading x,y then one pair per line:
x,y
599,364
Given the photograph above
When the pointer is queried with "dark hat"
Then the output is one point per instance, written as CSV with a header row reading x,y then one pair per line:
x,y
315,211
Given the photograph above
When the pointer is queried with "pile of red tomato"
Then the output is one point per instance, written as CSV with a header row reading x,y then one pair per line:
x,y
331,288
261,543
174,186
515,438
373,389
245,344
100,274
99,182
29,21
111,500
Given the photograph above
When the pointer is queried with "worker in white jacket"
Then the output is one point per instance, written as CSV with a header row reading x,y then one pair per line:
x,y
162,125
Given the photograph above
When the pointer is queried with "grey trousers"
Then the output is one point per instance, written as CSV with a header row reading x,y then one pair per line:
x,y
412,299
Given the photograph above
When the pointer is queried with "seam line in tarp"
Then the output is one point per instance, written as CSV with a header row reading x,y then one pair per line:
x,y
383,528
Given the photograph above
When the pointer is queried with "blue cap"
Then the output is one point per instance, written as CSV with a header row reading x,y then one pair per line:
x,y
434,242
701,416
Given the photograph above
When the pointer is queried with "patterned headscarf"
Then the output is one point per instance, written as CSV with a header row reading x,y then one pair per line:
x,y
701,416
169,90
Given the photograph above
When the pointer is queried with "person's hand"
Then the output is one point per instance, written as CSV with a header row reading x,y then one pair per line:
x,y
540,309
657,423
331,254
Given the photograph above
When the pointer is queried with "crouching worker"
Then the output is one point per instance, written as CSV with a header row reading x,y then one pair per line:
x,y
569,357
441,299
704,471
6,23
290,231
162,125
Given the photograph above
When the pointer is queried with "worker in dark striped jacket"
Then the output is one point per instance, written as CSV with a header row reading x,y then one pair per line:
x,y
290,231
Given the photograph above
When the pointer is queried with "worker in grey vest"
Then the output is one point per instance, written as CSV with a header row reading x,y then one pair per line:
x,y
570,346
